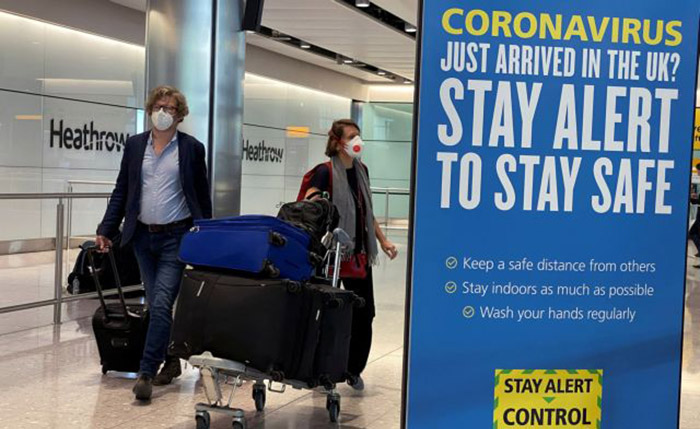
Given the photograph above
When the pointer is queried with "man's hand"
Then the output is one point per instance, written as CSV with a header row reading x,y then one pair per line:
x,y
103,243
390,249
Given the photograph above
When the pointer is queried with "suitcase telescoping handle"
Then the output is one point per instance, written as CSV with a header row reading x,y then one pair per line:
x,y
117,281
342,240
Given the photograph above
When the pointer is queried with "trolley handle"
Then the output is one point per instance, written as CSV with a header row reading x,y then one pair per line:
x,y
342,240
117,281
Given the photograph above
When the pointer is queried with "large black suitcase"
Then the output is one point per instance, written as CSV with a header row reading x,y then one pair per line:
x,y
120,329
333,348
270,325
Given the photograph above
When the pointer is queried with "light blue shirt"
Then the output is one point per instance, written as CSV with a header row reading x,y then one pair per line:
x,y
162,198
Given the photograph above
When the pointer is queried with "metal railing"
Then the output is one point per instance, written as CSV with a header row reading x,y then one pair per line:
x,y
64,234
69,212
387,192
58,299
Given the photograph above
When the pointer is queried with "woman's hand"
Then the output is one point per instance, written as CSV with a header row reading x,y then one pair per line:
x,y
390,249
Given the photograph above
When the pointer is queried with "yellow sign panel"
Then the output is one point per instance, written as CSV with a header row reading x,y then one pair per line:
x,y
548,399
696,136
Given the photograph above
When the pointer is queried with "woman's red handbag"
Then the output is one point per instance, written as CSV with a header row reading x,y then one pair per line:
x,y
355,267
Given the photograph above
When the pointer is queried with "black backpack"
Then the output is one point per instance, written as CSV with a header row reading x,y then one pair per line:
x,y
81,280
315,217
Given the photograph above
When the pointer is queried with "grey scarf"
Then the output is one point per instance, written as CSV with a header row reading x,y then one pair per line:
x,y
343,200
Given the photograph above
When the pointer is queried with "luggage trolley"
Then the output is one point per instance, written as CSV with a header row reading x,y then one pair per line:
x,y
217,372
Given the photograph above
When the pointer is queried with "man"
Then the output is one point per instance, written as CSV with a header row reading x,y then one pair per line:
x,y
161,188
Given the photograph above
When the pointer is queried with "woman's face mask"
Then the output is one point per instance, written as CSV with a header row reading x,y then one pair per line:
x,y
162,120
355,147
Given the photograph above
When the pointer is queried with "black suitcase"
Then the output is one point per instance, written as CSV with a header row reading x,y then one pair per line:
x,y
333,348
270,325
120,329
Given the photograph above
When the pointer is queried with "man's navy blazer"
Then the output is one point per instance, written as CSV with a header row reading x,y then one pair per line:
x,y
125,201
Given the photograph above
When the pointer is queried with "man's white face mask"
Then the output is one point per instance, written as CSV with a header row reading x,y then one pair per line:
x,y
355,147
162,120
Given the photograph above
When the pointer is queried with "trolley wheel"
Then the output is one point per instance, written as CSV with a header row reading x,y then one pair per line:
x,y
259,397
104,370
239,424
203,420
333,406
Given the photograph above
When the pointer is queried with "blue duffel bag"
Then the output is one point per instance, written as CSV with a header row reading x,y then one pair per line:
x,y
262,246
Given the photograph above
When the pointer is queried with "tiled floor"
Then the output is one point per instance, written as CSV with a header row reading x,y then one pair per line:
x,y
50,378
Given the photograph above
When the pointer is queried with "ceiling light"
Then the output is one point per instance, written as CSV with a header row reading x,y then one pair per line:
x,y
409,28
407,81
381,73
304,45
348,61
362,3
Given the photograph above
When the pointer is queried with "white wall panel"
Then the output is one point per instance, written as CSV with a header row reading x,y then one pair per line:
x,y
48,59
262,194
277,104
20,218
20,130
21,53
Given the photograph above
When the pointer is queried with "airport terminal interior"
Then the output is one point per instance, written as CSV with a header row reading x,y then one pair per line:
x,y
74,69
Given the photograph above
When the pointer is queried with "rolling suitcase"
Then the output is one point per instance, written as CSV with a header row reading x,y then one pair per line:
x,y
263,246
270,325
120,329
333,348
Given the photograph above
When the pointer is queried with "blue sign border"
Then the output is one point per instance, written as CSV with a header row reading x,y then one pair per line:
x,y
413,209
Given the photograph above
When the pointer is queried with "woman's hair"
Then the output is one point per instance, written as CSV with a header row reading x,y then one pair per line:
x,y
336,133
168,91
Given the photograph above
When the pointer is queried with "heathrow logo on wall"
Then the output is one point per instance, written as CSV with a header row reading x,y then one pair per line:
x,y
86,138
262,152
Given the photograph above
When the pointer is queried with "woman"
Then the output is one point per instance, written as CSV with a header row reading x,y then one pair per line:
x,y
346,180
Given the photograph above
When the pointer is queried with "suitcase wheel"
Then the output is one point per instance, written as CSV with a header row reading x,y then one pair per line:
x,y
277,239
333,407
203,420
259,393
277,376
104,370
293,287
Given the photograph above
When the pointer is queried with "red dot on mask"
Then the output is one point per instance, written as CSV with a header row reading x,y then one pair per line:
x,y
356,148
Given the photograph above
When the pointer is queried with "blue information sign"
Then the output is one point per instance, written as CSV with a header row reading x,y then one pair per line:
x,y
550,213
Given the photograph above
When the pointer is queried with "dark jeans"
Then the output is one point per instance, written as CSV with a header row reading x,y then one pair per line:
x,y
161,273
361,341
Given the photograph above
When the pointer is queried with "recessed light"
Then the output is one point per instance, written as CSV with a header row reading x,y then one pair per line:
x,y
304,45
362,3
348,61
381,73
409,28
